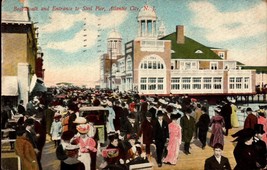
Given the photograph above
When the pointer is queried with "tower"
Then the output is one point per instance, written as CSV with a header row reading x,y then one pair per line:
x,y
147,22
114,44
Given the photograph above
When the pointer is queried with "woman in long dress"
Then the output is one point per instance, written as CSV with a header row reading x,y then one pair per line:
x,y
262,120
234,118
217,123
86,144
175,140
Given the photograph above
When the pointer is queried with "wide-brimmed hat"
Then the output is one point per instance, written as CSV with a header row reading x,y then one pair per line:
x,y
104,103
57,115
175,116
258,128
113,136
233,101
163,101
244,135
72,147
261,112
80,120
83,128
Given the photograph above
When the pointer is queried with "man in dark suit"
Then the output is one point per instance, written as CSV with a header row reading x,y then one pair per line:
x,y
187,123
72,109
118,114
145,130
161,135
21,108
260,147
32,136
131,126
217,161
226,112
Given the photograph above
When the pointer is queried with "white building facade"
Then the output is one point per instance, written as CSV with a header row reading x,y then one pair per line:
x,y
155,63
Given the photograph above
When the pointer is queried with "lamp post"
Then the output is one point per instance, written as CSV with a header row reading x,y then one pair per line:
x,y
110,85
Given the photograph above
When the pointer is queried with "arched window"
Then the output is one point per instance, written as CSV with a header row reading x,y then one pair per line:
x,y
153,62
152,75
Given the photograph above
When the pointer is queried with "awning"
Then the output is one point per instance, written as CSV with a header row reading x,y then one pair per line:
x,y
37,85
9,86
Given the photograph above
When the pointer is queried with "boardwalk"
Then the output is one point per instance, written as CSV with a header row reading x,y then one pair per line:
x,y
194,161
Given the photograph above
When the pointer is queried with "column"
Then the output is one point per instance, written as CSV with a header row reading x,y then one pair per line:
x,y
23,81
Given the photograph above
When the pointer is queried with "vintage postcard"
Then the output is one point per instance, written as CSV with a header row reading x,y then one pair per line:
x,y
150,47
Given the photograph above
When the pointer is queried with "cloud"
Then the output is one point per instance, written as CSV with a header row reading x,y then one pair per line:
x,y
92,23
223,26
255,55
86,74
76,43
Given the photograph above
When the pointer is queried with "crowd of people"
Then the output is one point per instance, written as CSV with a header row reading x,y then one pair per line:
x,y
133,125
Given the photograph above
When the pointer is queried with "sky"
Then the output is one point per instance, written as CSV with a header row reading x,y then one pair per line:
x,y
73,33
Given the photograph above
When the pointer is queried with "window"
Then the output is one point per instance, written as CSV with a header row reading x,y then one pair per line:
x,y
246,82
152,62
193,65
207,82
145,65
122,66
196,83
217,83
151,80
152,83
187,65
221,54
160,83
186,83
143,83
152,68
231,83
238,83
213,65
149,65
129,63
175,83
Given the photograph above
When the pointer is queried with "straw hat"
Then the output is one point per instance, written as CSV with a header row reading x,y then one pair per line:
x,y
80,120
83,128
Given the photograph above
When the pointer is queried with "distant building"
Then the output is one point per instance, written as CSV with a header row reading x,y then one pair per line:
x,y
155,63
21,58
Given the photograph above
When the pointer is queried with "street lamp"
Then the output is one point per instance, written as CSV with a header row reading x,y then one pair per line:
x,y
110,85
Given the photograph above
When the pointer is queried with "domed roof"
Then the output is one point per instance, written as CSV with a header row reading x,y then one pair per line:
x,y
147,12
114,35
